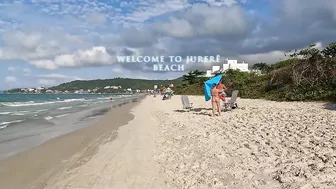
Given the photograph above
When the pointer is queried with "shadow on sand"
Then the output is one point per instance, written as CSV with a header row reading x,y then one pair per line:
x,y
203,113
199,111
330,106
193,110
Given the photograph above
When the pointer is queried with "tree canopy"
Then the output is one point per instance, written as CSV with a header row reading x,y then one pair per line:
x,y
193,77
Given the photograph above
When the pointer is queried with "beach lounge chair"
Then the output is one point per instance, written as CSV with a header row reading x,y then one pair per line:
x,y
232,103
186,103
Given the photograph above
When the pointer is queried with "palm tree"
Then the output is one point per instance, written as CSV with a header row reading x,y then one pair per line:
x,y
262,67
198,73
193,76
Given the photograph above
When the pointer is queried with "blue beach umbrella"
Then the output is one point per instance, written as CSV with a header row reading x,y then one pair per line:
x,y
208,86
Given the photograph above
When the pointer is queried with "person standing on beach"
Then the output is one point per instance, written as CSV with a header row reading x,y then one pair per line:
x,y
215,101
221,90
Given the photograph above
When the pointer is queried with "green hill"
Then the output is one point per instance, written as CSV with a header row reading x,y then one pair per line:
x,y
125,83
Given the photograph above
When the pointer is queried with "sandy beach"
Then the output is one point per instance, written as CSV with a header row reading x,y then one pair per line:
x,y
263,144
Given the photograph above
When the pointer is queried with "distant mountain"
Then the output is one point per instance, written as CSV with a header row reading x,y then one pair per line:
x,y
125,83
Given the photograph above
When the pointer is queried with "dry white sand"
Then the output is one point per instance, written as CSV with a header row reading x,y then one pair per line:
x,y
263,145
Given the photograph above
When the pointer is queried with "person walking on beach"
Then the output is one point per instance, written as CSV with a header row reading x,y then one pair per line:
x,y
215,101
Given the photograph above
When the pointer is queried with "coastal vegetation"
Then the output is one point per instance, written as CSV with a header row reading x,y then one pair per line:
x,y
140,84
116,85
308,74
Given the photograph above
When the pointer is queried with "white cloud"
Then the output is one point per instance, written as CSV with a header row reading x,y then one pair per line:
x,y
221,3
96,56
55,76
10,80
47,82
116,70
144,10
96,18
30,45
20,40
55,79
270,57
12,69
26,70
244,1
204,21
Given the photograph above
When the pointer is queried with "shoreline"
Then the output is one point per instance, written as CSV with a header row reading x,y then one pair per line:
x,y
129,161
50,157
29,126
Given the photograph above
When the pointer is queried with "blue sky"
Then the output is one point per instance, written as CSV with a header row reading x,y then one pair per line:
x,y
47,42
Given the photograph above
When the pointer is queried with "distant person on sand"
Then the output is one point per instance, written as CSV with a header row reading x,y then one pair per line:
x,y
165,97
215,101
154,93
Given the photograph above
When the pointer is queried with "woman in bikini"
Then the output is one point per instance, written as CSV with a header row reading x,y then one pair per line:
x,y
221,89
215,101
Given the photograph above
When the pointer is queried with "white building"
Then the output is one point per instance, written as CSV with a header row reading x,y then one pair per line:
x,y
233,64
228,64
107,87
39,88
215,69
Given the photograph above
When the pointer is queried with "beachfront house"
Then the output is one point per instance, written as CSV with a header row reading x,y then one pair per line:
x,y
107,87
228,64
112,87
233,64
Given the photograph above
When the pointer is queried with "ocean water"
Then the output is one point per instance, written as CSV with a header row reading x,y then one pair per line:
x,y
27,120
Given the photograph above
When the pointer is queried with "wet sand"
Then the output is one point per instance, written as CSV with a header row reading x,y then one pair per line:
x,y
34,167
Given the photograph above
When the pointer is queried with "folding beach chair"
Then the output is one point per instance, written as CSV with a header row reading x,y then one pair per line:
x,y
232,104
186,103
